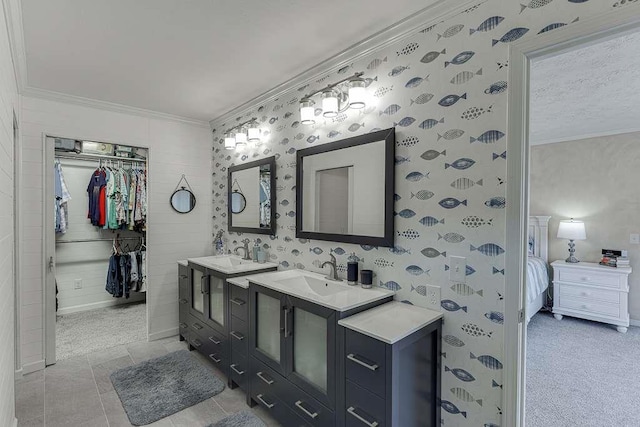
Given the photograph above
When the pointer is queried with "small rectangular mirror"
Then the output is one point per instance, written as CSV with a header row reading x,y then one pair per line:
x,y
344,190
251,201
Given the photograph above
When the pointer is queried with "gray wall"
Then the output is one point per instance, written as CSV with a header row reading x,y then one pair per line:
x,y
595,180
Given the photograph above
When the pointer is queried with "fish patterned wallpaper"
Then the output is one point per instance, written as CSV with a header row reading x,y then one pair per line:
x,y
444,89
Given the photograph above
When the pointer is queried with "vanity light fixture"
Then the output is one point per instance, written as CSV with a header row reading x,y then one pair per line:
x,y
336,98
239,135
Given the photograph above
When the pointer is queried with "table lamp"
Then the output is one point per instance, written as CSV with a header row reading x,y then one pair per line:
x,y
572,230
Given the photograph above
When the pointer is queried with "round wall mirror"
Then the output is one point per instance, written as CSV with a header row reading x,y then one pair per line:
x,y
238,202
183,200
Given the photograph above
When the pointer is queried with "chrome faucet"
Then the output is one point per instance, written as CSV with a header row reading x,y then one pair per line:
x,y
334,269
246,256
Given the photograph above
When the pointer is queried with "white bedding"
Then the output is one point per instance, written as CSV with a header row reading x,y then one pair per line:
x,y
537,277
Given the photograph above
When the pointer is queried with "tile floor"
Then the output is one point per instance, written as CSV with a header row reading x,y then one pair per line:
x,y
78,392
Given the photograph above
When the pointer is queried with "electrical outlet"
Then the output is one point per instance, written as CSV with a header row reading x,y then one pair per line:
x,y
77,284
433,297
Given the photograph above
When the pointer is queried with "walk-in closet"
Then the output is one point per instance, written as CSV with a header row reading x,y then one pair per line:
x,y
100,263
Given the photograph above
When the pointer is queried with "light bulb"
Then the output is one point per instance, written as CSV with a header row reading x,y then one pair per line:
x,y
229,141
241,137
329,103
254,133
306,112
357,94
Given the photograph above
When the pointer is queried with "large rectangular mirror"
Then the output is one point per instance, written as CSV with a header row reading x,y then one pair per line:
x,y
252,197
344,190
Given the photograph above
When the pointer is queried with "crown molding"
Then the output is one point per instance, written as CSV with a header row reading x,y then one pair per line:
x,y
108,106
438,11
580,137
13,20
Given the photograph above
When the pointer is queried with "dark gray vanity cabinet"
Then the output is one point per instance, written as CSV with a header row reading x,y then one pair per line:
x,y
292,343
208,291
239,337
393,385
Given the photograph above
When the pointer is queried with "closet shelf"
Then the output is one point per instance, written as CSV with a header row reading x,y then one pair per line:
x,y
96,240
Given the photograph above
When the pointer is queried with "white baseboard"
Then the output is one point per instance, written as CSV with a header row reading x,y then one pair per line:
x,y
101,304
163,334
17,374
634,322
32,367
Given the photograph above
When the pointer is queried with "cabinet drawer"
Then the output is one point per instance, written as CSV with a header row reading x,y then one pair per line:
x,y
363,408
277,409
591,277
606,309
238,336
239,370
238,301
306,407
266,380
365,362
596,295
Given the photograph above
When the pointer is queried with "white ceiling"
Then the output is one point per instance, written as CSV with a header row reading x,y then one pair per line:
x,y
196,58
586,92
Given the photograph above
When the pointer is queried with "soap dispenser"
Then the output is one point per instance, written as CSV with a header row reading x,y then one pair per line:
x,y
352,269
256,250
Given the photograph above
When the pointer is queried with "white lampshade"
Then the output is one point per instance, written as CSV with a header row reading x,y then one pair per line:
x,y
229,141
241,137
357,94
329,104
572,230
306,112
254,133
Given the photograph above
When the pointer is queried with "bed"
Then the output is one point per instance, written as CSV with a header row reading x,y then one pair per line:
x,y
537,264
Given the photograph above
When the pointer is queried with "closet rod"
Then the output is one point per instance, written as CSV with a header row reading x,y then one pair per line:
x,y
99,157
97,240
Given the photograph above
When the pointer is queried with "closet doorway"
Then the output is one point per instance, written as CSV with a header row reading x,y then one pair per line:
x,y
95,229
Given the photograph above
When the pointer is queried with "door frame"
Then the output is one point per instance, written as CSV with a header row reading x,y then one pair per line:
x,y
48,240
589,31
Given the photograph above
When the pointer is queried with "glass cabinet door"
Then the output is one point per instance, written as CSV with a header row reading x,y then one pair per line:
x,y
197,288
268,312
216,301
310,347
311,344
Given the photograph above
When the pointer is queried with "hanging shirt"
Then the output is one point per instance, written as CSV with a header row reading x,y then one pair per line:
x,y
96,183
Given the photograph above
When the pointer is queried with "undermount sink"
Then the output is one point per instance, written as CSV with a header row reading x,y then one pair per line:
x,y
319,287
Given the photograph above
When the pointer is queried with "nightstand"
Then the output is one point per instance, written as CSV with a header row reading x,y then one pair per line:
x,y
591,291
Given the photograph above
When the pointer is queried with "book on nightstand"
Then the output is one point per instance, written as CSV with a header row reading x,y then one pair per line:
x,y
610,258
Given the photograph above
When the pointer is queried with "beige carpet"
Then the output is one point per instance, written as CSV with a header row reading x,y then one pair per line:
x,y
88,331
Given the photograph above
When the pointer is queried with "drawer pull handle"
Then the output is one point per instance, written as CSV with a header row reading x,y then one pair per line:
x,y
353,358
585,294
268,405
183,301
585,306
262,377
213,340
183,325
198,326
237,336
584,279
197,343
236,371
302,408
352,411
238,301
214,358
184,277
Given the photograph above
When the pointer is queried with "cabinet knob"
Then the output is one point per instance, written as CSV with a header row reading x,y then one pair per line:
x,y
183,301
584,279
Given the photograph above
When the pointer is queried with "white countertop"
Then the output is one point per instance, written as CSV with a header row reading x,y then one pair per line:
x,y
183,262
242,281
348,298
245,267
390,322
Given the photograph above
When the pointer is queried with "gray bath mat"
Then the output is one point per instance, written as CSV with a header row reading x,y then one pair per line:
x,y
240,419
159,387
